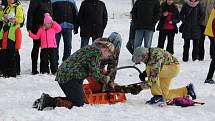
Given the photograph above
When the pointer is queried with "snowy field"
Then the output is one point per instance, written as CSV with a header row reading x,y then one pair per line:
x,y
17,94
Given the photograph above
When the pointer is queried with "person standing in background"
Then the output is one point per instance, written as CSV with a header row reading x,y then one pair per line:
x,y
210,31
190,16
65,13
207,6
167,25
16,7
93,19
145,15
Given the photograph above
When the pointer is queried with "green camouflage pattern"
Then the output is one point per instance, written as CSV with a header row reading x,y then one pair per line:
x,y
83,63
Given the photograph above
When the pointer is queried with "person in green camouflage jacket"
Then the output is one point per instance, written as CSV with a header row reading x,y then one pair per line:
x,y
83,63
111,63
161,68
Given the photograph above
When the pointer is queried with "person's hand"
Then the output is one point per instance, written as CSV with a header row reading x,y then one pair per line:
x,y
165,13
29,32
111,84
170,22
142,76
108,79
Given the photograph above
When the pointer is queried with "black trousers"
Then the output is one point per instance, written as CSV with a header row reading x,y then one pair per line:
x,y
201,45
195,52
9,62
48,56
35,54
74,91
169,34
212,64
18,68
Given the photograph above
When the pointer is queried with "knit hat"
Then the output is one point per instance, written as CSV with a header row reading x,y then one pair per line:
x,y
11,15
140,55
47,18
116,39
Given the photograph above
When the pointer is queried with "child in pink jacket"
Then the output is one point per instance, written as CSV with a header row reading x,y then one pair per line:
x,y
48,53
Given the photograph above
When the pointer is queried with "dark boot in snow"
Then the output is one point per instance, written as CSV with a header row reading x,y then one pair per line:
x,y
36,103
46,101
190,91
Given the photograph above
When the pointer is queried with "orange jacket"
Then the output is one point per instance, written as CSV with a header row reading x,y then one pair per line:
x,y
18,39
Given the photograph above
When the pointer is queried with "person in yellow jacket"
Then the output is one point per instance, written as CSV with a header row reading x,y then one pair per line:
x,y
3,5
210,31
207,6
161,68
16,7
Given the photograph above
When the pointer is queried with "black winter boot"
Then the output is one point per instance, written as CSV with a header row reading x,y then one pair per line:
x,y
46,101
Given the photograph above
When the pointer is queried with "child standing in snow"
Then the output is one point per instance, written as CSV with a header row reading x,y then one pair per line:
x,y
48,53
10,39
210,31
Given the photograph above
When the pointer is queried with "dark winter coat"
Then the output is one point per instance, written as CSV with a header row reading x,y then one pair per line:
x,y
35,15
175,18
145,14
190,17
92,18
82,64
65,11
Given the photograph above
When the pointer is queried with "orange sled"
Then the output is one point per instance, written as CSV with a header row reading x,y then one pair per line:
x,y
102,98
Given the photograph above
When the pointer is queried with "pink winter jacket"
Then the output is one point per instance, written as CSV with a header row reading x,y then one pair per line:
x,y
47,36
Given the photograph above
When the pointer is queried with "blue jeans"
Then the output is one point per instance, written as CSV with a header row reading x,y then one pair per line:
x,y
85,41
140,34
67,40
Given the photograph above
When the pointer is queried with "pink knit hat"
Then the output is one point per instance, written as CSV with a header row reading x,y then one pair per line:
x,y
47,18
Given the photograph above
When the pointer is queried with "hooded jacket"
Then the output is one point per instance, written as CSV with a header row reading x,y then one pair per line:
x,y
18,12
10,37
47,36
83,63
155,59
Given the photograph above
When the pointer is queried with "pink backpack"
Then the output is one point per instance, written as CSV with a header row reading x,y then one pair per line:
x,y
183,102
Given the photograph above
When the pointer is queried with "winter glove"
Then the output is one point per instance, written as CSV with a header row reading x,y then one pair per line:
x,y
106,85
135,89
142,76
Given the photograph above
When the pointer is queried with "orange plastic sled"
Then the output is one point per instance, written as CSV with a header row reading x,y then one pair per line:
x,y
102,98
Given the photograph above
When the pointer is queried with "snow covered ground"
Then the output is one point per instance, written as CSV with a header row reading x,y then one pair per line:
x,y
18,94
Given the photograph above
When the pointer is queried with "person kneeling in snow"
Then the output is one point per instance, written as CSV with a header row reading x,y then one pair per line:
x,y
83,63
111,63
161,68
